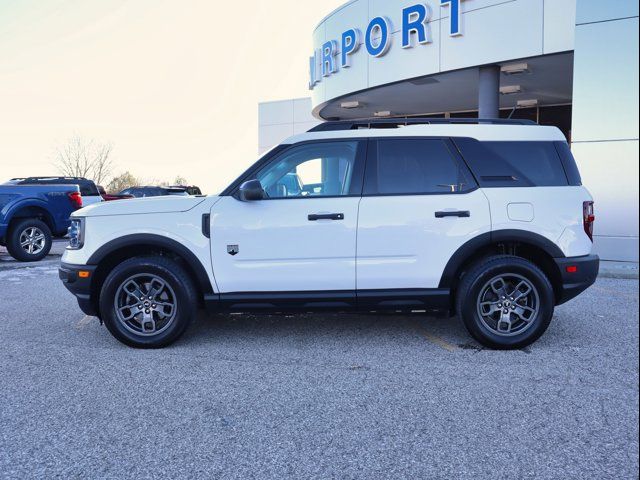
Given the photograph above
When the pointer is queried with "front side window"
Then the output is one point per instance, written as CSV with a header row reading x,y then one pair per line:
x,y
311,170
415,166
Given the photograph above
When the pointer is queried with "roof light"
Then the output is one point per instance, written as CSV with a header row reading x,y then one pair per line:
x,y
352,104
527,103
510,89
515,69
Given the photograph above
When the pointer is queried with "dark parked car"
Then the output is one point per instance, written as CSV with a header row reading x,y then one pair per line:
x,y
108,197
140,192
190,189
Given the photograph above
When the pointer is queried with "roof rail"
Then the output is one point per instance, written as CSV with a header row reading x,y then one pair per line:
x,y
369,123
49,178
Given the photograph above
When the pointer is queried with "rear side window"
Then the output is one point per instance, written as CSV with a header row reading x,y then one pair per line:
x,y
513,164
88,189
414,166
569,164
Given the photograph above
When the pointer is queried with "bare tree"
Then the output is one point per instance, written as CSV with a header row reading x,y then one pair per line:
x,y
180,180
85,158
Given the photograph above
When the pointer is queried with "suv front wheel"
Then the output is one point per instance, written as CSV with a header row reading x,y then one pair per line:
x,y
148,302
505,302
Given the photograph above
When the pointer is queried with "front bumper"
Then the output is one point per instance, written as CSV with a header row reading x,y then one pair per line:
x,y
577,274
79,286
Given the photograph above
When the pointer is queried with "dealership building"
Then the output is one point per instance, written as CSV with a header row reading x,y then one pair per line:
x,y
568,63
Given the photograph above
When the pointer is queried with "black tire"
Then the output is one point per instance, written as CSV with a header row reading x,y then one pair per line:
x,y
21,227
180,286
476,284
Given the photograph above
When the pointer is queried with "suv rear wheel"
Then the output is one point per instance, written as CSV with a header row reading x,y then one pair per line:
x,y
505,302
148,302
29,240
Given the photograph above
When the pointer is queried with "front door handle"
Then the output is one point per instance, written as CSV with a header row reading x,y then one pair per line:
x,y
325,216
459,213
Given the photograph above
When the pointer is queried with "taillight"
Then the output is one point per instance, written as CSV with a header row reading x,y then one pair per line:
x,y
589,218
76,199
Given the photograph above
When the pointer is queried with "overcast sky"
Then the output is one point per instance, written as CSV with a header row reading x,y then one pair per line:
x,y
173,84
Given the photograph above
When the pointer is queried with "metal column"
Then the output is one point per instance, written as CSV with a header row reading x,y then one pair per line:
x,y
489,92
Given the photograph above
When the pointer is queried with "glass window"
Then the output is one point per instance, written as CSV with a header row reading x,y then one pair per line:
x,y
515,164
538,162
416,166
311,170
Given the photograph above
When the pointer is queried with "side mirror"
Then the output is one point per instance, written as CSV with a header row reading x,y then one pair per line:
x,y
251,190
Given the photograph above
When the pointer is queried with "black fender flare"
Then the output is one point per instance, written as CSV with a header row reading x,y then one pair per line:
x,y
468,249
153,240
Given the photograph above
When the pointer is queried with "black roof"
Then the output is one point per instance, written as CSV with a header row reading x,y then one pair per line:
x,y
45,178
368,123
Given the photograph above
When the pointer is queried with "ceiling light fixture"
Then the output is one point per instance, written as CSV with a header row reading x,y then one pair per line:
x,y
515,69
383,113
527,103
351,104
510,89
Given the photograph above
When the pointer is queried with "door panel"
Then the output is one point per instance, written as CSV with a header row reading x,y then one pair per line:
x,y
279,249
302,236
402,244
421,204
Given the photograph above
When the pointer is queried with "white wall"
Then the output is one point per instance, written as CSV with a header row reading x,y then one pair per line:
x,y
281,119
605,120
493,31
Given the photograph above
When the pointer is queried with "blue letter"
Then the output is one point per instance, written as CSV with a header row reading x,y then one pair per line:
x,y
350,44
456,16
329,51
414,20
382,25
314,68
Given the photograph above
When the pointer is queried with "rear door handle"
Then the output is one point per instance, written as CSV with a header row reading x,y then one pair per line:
x,y
325,216
459,213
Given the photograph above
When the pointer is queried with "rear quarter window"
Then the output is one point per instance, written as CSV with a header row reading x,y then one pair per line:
x,y
514,164
88,189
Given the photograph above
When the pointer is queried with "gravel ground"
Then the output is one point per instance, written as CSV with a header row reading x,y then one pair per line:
x,y
315,396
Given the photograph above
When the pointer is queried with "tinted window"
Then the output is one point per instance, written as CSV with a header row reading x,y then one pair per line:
x,y
569,164
415,166
311,170
513,164
180,193
88,188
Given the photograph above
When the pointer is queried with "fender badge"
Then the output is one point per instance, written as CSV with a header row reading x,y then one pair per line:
x,y
233,250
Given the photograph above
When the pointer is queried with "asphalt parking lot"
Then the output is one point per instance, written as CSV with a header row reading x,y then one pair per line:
x,y
315,396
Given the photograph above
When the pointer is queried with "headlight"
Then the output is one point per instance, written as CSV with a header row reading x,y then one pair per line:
x,y
76,234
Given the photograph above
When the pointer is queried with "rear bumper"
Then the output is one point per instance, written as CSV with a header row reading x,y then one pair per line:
x,y
575,282
80,287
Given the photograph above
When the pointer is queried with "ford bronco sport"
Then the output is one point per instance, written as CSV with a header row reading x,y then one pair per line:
x,y
484,219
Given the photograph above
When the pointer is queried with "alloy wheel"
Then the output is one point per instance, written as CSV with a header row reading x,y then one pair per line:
x,y
145,304
508,304
32,240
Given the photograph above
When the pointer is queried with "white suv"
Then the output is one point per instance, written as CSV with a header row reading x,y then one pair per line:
x,y
484,219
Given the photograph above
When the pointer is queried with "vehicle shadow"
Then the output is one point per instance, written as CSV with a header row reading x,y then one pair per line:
x,y
325,328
